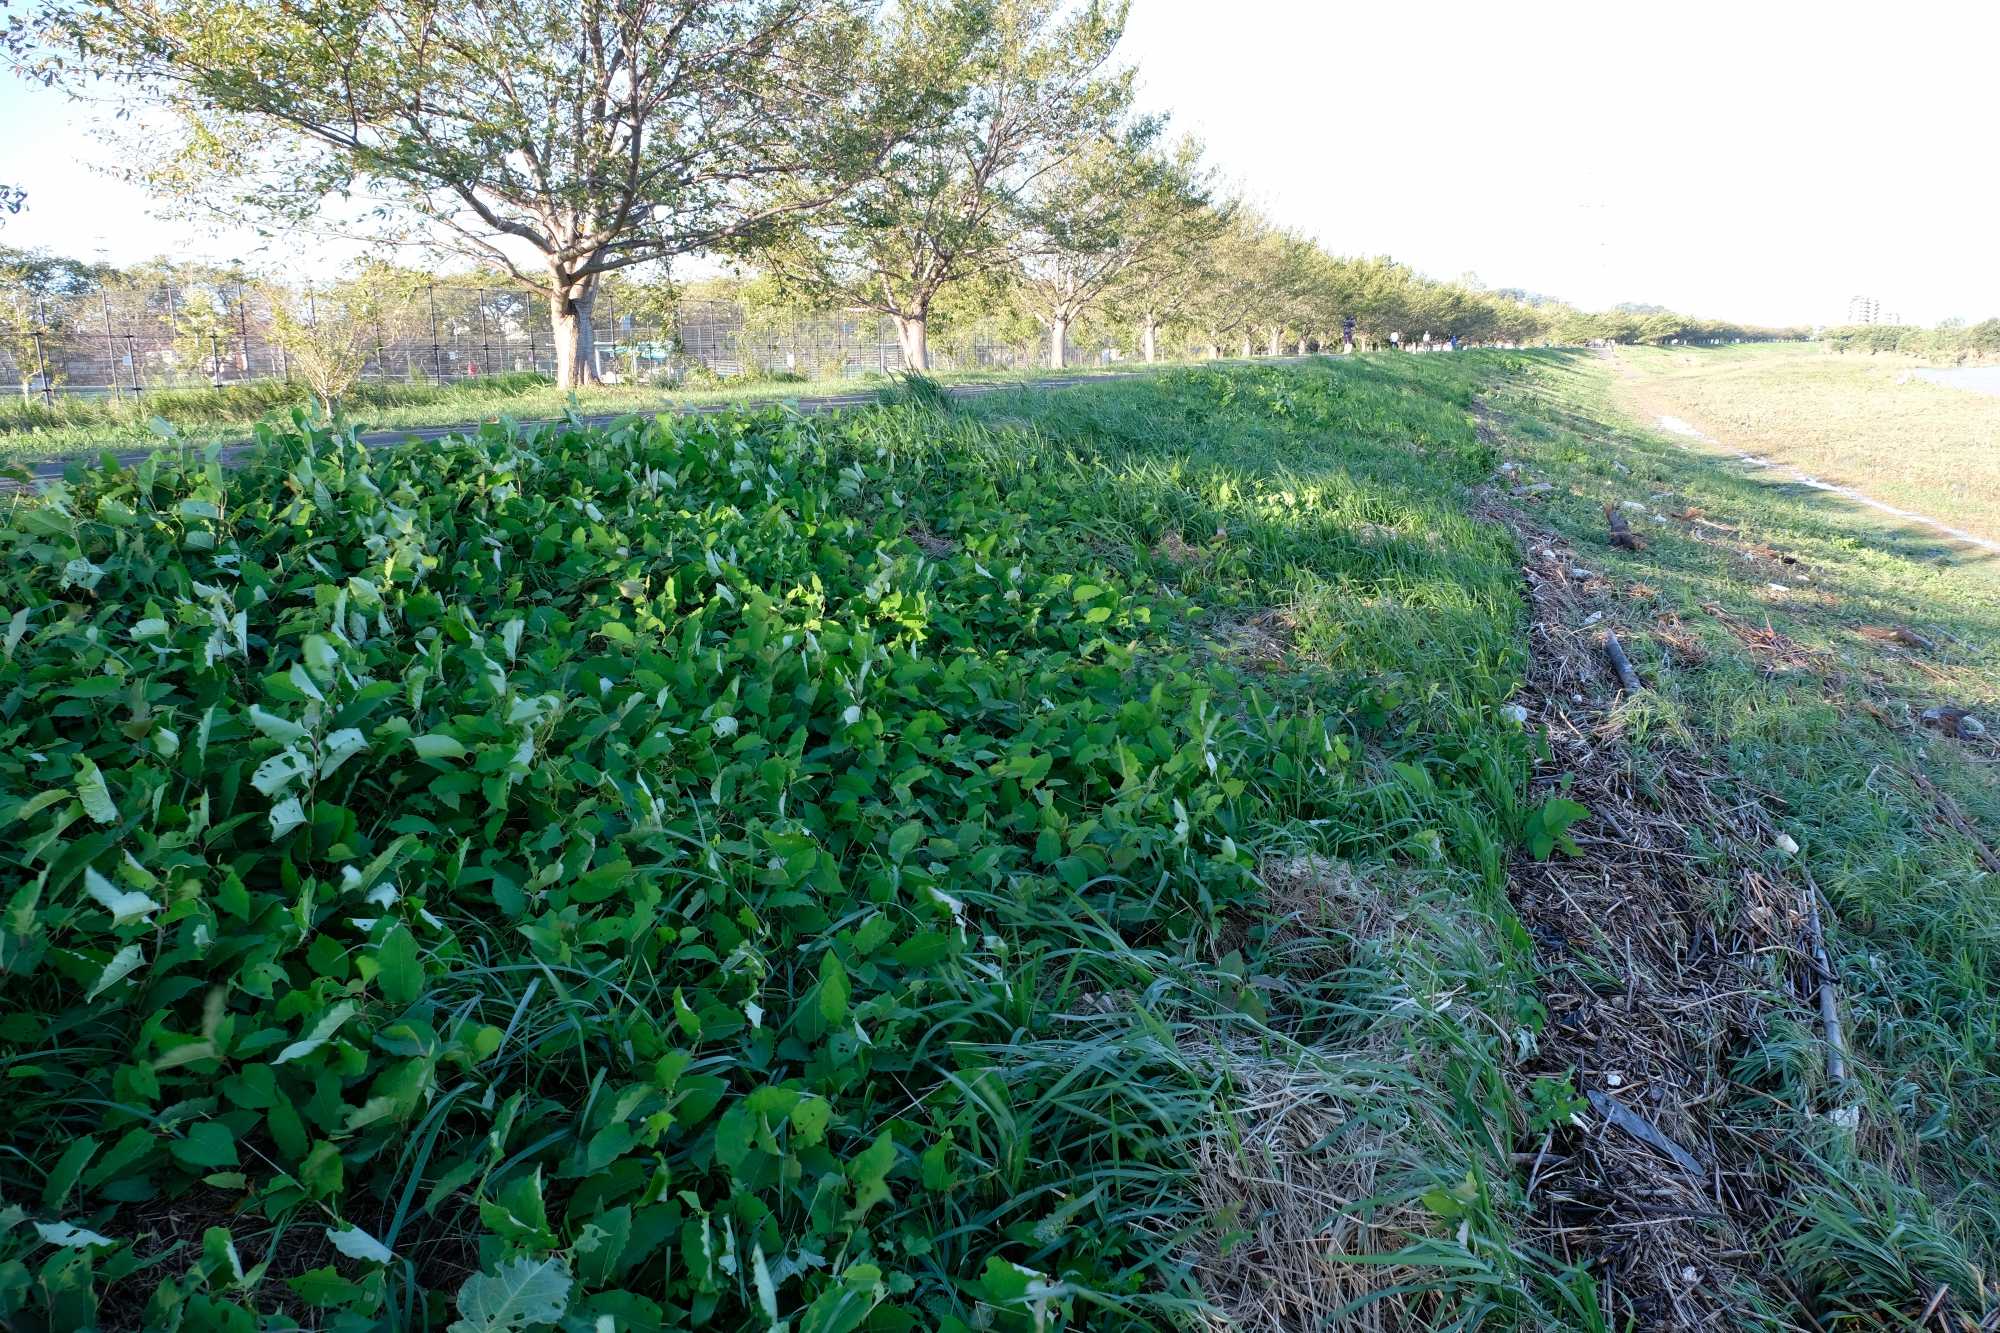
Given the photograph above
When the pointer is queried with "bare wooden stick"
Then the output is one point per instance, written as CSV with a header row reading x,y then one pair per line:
x,y
1621,663
1829,1009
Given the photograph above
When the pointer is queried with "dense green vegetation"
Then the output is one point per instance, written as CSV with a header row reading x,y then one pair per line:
x,y
1953,341
752,869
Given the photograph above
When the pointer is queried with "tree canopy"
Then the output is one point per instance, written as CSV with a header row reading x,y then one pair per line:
x,y
556,142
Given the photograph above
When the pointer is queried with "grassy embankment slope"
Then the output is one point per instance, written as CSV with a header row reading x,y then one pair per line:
x,y
81,427
767,868
975,853
1825,722
1857,420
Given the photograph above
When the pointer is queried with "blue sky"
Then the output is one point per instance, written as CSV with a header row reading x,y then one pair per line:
x,y
1758,162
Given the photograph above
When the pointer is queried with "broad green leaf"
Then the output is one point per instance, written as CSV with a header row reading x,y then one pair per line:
x,y
358,1244
123,905
833,989
513,1297
93,794
322,1033
277,728
904,839
868,1172
63,1177
437,747
123,964
70,1236
280,771
325,1288
208,1144
402,975
286,816
322,659
340,747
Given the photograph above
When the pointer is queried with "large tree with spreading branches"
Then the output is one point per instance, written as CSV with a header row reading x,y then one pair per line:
x,y
557,141
1030,81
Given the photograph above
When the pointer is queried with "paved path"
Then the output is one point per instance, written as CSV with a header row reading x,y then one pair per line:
x,y
383,438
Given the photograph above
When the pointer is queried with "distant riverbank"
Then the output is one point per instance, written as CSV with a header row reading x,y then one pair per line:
x,y
1977,379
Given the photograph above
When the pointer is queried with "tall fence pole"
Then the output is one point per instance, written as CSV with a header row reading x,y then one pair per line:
x,y
485,340
110,343
437,365
42,366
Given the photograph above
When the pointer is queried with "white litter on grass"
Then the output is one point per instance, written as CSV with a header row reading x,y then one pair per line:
x,y
1678,427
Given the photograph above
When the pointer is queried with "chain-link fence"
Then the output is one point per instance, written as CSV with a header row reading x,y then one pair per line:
x,y
119,340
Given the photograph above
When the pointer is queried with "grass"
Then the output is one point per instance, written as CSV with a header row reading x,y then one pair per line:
x,y
1102,1073
919,949
1856,420
81,427
1826,722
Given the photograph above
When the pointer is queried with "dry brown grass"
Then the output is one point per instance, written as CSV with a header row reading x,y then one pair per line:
x,y
1845,419
1295,1212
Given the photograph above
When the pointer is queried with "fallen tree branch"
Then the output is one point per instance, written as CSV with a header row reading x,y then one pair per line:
x,y
1621,663
1949,809
1829,1009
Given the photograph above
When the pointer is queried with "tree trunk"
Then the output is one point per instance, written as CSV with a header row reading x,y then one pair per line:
x,y
576,338
912,332
1149,338
1246,345
1058,340
1277,340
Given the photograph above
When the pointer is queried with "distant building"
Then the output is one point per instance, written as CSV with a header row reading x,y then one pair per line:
x,y
1864,310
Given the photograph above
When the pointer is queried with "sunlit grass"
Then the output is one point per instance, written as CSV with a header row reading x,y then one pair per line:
x,y
1856,420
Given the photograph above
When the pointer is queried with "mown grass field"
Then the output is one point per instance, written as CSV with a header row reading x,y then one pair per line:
x,y
82,427
1856,420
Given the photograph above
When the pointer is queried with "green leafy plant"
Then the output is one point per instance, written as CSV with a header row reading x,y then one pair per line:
x,y
1547,827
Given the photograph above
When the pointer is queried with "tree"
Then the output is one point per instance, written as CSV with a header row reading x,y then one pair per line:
x,y
1121,223
1026,84
12,200
329,333
557,141
1180,225
1236,277
30,325
1082,227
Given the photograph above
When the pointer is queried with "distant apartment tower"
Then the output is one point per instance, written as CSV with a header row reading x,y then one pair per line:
x,y
1864,310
